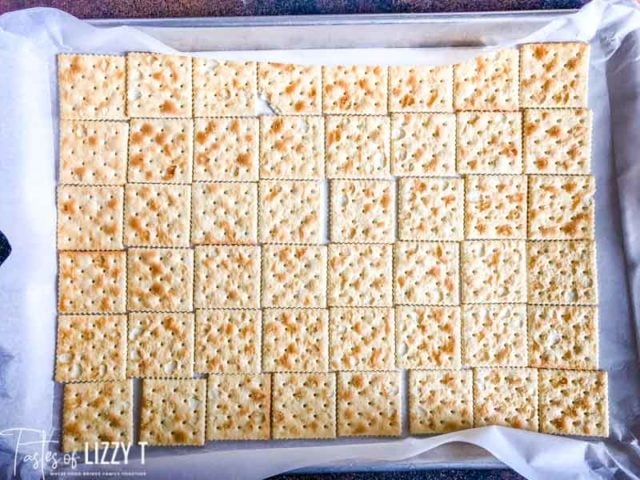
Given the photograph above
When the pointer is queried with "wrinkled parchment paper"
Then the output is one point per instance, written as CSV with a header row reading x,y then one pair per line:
x,y
30,402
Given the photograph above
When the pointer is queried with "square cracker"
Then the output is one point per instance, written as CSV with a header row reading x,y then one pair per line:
x,y
91,87
354,89
357,146
160,150
157,215
291,147
574,403
239,407
430,208
440,401
494,271
420,88
489,142
93,152
362,211
361,338
224,212
554,75
225,149
160,279
426,273
563,337
91,348
506,396
304,405
295,340
369,404
562,272
96,412
223,88
495,207
294,276
290,211
90,218
160,345
360,275
228,341
291,89
494,335
423,144
427,337
158,85
227,277
487,82
557,141
561,207
92,282
172,412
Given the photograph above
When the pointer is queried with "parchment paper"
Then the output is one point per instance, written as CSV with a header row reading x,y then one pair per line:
x,y
30,401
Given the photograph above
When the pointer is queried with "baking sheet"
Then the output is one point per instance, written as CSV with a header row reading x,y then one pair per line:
x,y
29,401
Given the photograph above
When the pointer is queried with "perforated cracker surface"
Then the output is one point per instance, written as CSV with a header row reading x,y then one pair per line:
x,y
420,88
291,89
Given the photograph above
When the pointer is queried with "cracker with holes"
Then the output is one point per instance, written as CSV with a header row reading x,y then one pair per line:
x,y
295,340
562,272
223,88
440,401
495,207
90,218
91,348
96,412
172,412
158,85
426,273
294,276
554,75
160,345
228,341
487,82
369,404
157,215
557,141
92,282
290,211
160,150
93,152
224,212
506,396
574,402
493,271
494,335
292,147
160,279
561,207
355,89
430,208
91,87
239,407
427,337
361,338
360,275
563,337
303,405
291,89
489,142
225,149
227,277
357,146
420,88
362,211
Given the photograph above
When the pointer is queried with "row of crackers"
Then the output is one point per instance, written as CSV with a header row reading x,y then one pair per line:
x,y
552,75
326,405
